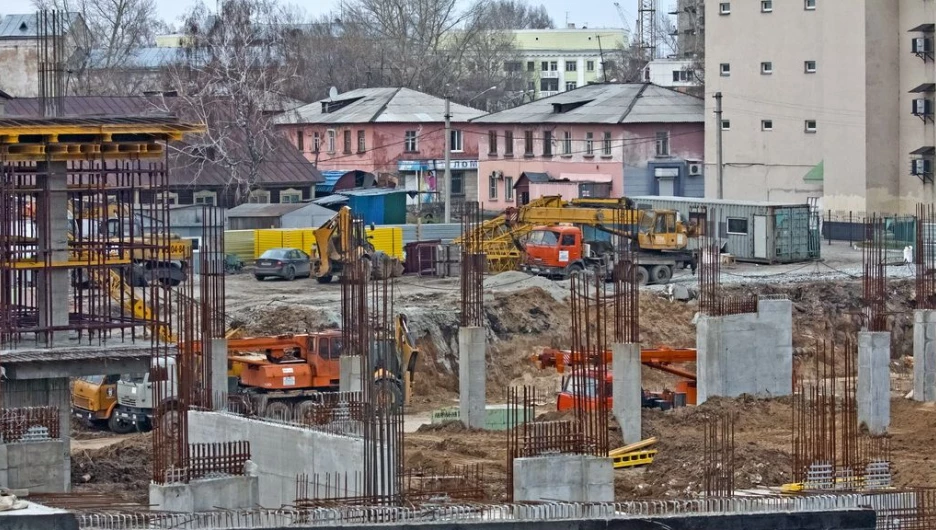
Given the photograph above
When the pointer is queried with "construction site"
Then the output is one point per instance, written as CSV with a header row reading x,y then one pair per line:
x,y
645,379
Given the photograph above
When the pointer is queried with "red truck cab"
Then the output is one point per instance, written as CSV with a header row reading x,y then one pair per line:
x,y
554,250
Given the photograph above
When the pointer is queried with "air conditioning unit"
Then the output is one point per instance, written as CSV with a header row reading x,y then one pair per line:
x,y
695,169
922,166
922,107
922,45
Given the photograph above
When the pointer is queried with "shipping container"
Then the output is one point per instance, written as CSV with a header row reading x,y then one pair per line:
x,y
753,231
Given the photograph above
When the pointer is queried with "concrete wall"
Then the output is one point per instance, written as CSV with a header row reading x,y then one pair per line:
x,y
924,355
223,493
281,452
568,478
746,354
39,467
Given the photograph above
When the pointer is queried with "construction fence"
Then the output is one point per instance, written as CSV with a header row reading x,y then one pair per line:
x,y
248,245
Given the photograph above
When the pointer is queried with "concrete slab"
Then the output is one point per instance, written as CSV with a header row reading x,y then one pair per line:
x,y
563,478
36,516
472,376
626,389
201,495
924,355
750,353
873,390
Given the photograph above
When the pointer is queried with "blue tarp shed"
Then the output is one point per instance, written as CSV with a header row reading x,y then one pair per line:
x,y
379,206
337,180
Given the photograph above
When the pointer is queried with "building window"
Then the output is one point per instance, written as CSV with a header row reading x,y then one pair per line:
x,y
492,142
455,141
726,125
513,66
737,225
809,5
662,143
766,6
549,84
259,197
682,76
724,69
553,66
590,66
547,143
410,143
290,195
567,143
458,186
571,66
531,66
809,67
209,198
166,198
492,186
347,142
531,86
361,142
766,67
766,125
316,142
570,85
810,126
606,144
724,8
528,143
508,188
508,143
331,140
589,144
300,141
544,66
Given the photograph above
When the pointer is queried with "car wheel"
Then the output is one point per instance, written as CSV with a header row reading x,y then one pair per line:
x,y
324,279
259,277
290,273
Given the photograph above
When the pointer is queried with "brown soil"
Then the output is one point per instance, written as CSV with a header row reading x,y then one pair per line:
x,y
123,467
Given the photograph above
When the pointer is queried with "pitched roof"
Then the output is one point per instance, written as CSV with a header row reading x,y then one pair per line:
x,y
22,26
379,105
275,209
285,166
147,58
607,104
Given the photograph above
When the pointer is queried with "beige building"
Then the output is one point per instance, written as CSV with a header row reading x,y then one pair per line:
x,y
818,101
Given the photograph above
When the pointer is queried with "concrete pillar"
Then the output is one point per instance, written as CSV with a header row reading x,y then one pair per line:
x,y
924,355
52,228
874,380
219,377
626,389
563,478
350,368
472,376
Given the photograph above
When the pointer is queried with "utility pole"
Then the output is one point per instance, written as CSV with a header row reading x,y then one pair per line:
x,y
718,145
448,161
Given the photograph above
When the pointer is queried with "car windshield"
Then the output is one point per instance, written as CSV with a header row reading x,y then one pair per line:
x,y
274,253
543,237
132,378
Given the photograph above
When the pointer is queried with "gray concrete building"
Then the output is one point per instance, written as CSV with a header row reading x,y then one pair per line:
x,y
19,55
820,100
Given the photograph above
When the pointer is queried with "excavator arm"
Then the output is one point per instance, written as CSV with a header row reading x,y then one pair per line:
x,y
326,248
409,354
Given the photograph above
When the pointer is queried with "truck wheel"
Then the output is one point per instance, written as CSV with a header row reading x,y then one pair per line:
x,y
117,426
642,276
324,279
389,395
277,410
660,274
573,268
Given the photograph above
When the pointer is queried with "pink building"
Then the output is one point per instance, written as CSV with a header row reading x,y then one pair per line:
x,y
396,134
601,140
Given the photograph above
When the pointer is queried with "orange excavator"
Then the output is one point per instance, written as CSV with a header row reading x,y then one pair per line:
x,y
662,358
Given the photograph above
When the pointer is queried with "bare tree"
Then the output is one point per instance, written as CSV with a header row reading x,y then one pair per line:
x,y
516,14
234,71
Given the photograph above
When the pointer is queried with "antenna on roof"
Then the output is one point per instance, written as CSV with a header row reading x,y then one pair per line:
x,y
332,92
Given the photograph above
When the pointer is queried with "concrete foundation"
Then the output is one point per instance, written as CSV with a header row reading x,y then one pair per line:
x,y
563,478
924,355
39,467
281,452
36,516
349,373
746,354
202,495
472,374
873,390
626,392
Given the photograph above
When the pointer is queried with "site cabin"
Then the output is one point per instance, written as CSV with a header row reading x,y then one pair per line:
x,y
559,251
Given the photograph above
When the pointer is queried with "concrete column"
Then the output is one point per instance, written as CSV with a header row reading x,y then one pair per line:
x,y
350,368
924,355
626,389
563,478
471,376
219,377
874,380
52,229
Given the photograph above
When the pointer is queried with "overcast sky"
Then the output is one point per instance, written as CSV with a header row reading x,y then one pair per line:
x,y
594,13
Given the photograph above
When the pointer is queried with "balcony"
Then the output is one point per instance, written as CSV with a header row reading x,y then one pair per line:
x,y
547,93
549,74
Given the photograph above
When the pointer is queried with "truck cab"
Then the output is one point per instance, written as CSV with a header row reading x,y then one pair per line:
x,y
94,397
559,251
135,393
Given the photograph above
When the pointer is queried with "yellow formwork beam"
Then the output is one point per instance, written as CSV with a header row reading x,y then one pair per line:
x,y
634,459
25,264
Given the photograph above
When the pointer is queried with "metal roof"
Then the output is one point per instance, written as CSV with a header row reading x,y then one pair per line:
x,y
149,58
331,200
332,177
370,192
379,105
716,202
535,177
925,87
23,26
927,150
266,209
607,104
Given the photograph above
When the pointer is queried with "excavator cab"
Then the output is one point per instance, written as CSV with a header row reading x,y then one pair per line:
x,y
661,230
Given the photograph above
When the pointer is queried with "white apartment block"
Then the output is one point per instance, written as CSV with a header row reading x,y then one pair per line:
x,y
823,98
678,74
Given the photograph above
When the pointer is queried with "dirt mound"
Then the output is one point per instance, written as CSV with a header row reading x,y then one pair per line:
x,y
282,319
124,466
517,281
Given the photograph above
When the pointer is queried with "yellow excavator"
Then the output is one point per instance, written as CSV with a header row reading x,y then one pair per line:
x,y
334,241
